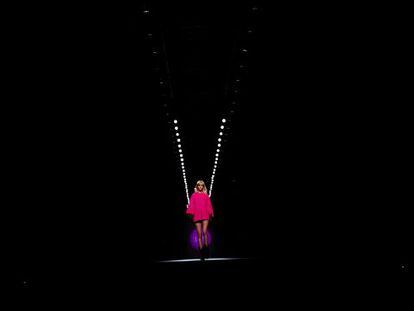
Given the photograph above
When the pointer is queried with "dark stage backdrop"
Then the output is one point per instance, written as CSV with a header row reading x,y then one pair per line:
x,y
312,175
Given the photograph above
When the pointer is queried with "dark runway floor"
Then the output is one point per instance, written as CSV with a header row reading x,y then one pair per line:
x,y
232,281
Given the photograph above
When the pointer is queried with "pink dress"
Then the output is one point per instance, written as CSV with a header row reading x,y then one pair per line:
x,y
200,206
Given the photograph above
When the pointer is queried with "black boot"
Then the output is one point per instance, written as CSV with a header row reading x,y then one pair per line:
x,y
207,251
201,251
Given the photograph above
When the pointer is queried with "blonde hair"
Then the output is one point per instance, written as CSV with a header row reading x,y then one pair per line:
x,y
200,182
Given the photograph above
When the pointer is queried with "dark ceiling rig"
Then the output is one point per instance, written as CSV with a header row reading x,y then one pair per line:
x,y
154,34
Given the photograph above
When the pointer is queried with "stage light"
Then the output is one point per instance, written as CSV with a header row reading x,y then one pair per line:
x,y
219,145
177,134
179,150
217,155
224,120
181,155
176,128
218,150
222,127
219,139
179,140
179,146
193,239
175,121
221,133
182,160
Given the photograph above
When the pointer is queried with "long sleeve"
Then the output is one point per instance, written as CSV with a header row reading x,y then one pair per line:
x,y
191,205
210,207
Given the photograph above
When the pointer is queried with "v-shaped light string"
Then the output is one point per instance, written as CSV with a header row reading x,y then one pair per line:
x,y
180,150
216,159
181,156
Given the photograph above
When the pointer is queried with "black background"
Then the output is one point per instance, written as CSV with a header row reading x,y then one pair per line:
x,y
314,172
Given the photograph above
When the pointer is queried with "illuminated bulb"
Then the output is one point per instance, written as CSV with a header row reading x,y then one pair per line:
x,y
219,145
179,140
177,134
175,121
176,128
222,127
221,133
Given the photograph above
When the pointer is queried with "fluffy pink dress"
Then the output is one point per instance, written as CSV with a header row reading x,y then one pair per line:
x,y
200,206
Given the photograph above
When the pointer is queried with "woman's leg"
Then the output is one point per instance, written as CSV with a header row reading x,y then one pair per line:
x,y
205,226
200,237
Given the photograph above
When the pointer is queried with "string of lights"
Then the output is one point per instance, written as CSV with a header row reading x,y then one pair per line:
x,y
162,72
216,159
181,157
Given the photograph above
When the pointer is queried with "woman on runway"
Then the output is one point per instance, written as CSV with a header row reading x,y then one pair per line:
x,y
201,209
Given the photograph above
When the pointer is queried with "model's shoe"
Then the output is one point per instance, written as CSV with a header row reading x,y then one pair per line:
x,y
201,251
207,251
